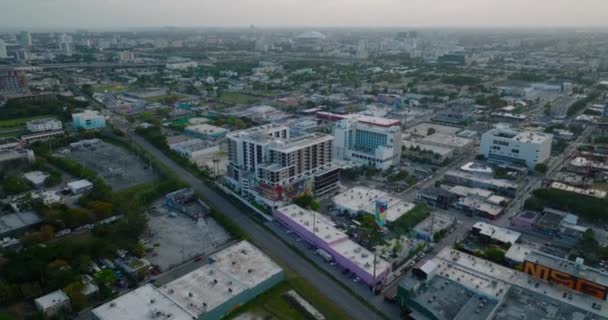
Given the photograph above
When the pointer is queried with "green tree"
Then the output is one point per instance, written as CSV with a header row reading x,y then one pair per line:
x,y
87,89
101,209
430,131
541,168
15,185
495,255
74,292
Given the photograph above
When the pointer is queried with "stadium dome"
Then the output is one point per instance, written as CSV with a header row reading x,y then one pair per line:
x,y
311,35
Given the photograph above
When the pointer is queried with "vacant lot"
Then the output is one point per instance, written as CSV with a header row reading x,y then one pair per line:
x,y
176,238
119,168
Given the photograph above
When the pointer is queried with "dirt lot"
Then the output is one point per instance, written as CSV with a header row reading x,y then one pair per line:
x,y
176,238
119,168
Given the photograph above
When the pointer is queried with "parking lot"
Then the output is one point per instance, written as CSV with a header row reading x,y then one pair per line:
x,y
174,238
119,168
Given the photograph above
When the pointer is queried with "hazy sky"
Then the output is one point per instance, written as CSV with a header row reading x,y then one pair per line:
x,y
381,13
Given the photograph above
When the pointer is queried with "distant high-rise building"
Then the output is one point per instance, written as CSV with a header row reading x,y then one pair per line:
x,y
22,54
362,52
126,56
24,38
3,53
65,44
13,81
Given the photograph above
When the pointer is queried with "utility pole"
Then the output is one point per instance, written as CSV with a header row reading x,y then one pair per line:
x,y
314,229
374,273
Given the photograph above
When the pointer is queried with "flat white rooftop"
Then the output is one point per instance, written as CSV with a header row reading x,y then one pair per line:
x,y
143,303
78,184
464,191
447,140
36,177
364,199
230,272
52,299
360,256
202,290
497,233
324,228
245,263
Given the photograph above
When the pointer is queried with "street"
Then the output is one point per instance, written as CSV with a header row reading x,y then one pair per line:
x,y
272,245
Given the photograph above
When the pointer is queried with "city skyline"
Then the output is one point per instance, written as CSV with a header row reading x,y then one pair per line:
x,y
38,14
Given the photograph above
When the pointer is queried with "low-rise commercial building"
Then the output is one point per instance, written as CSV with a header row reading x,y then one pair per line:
x,y
492,234
41,125
53,303
511,146
321,232
36,178
14,224
88,119
80,186
456,285
501,186
231,278
366,200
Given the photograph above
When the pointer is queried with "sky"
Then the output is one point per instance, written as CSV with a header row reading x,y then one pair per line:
x,y
302,13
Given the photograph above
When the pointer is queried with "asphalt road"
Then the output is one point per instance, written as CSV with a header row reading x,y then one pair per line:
x,y
268,242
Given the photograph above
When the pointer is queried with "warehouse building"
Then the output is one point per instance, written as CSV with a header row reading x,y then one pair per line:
x,y
321,232
232,277
365,200
456,285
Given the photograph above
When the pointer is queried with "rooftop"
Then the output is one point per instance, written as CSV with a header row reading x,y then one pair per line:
x,y
229,273
570,267
448,299
422,129
361,257
143,303
364,199
324,228
52,299
500,183
449,259
202,290
447,140
480,205
497,233
523,136
16,221
518,253
463,191
245,263
587,192
206,129
78,184
304,141
36,177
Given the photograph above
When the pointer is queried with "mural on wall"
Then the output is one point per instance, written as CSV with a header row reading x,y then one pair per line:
x,y
380,212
